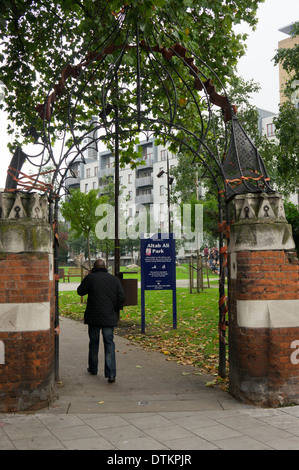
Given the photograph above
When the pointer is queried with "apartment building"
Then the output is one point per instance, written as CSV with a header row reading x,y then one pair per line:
x,y
146,185
265,123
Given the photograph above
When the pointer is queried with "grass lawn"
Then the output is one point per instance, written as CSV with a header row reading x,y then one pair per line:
x,y
194,342
182,272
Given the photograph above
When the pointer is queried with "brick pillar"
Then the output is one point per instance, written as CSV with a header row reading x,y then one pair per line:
x,y
263,304
27,303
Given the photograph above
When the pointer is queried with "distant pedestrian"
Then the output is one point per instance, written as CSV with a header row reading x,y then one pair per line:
x,y
105,299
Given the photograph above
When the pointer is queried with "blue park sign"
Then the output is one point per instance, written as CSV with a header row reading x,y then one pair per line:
x,y
157,255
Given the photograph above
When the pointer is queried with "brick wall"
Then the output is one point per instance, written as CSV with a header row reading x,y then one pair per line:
x,y
263,328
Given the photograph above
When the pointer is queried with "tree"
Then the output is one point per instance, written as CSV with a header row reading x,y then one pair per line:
x,y
106,244
286,163
289,59
79,209
292,216
39,40
287,122
187,175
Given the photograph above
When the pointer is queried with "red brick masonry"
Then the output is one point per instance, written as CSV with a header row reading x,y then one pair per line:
x,y
28,371
264,366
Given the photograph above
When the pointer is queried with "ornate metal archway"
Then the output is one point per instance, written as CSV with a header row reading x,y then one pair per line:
x,y
134,87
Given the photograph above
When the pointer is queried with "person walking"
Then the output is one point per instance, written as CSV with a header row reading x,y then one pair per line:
x,y
105,299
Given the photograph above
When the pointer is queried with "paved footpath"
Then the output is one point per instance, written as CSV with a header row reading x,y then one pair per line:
x,y
155,405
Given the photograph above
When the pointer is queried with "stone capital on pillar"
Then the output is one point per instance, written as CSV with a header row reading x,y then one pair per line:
x,y
260,224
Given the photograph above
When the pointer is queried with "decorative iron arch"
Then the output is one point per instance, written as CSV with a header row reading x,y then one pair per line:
x,y
160,86
153,90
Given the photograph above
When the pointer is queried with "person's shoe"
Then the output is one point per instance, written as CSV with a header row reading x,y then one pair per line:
x,y
111,379
90,372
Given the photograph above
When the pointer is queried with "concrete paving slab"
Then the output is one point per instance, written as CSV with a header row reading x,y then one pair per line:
x,y
161,407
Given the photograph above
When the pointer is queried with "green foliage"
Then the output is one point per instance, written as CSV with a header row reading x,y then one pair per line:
x,y
39,39
289,59
79,209
286,162
292,216
287,152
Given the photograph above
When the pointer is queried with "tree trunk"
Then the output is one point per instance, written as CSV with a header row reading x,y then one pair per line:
x,y
88,248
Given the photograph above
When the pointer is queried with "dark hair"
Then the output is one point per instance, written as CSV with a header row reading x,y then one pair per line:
x,y
99,263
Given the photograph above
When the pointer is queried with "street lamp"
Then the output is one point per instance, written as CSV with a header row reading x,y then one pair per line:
x,y
170,180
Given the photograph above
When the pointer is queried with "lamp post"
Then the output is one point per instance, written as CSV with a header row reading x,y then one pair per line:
x,y
169,183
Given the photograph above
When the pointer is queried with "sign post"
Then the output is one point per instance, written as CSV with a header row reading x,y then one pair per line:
x,y
158,269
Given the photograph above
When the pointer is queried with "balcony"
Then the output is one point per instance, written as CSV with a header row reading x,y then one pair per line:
x,y
144,199
147,160
72,181
144,181
108,171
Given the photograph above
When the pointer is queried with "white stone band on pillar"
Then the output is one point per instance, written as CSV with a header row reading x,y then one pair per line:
x,y
268,313
25,316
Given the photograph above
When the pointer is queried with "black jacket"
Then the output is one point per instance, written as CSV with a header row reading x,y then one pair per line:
x,y
105,298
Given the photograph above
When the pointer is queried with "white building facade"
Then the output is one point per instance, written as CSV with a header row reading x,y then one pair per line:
x,y
267,127
140,186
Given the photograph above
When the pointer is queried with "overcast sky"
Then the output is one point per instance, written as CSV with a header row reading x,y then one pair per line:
x,y
257,64
262,44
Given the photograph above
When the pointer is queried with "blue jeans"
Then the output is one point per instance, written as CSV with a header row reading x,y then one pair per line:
x,y
109,349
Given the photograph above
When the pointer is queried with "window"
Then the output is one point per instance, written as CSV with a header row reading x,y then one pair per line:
x,y
88,173
86,188
162,190
130,178
76,172
96,170
147,156
270,130
163,155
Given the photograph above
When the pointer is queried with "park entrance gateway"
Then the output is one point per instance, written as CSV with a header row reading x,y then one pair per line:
x,y
149,94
